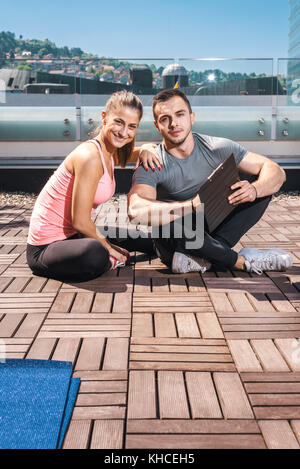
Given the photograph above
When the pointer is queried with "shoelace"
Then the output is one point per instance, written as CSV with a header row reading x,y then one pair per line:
x,y
193,264
258,266
115,263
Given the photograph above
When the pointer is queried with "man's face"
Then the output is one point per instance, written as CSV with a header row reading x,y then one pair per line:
x,y
174,120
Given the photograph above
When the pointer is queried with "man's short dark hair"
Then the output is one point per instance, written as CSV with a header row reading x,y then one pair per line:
x,y
165,95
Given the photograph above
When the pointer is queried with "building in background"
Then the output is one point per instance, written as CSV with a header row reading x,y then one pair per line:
x,y
294,42
174,73
141,75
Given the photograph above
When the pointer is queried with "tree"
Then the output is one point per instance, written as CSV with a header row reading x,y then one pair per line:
x,y
65,52
76,52
24,66
42,52
8,41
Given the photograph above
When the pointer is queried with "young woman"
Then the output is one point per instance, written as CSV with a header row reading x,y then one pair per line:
x,y
63,242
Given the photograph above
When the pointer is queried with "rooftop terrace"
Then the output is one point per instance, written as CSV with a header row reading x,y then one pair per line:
x,y
166,360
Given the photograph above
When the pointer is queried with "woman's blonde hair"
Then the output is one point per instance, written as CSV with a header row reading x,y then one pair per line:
x,y
117,100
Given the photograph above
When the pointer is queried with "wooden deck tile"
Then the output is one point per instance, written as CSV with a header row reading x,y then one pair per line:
x,y
66,349
269,356
243,355
197,434
102,303
116,354
82,302
202,396
209,326
278,434
187,325
164,325
122,302
107,434
99,412
35,285
141,395
86,325
172,395
179,354
171,302
102,395
90,354
295,424
233,399
30,326
63,302
189,360
199,426
142,325
16,303
13,348
290,349
9,324
273,396
78,433
195,442
41,349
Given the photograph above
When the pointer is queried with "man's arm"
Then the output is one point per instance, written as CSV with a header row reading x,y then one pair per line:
x,y
145,209
270,178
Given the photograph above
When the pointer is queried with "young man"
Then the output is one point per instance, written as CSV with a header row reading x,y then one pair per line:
x,y
188,159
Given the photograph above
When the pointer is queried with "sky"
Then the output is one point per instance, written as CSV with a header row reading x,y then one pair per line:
x,y
156,28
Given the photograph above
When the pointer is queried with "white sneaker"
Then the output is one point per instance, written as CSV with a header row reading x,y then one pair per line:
x,y
272,259
182,264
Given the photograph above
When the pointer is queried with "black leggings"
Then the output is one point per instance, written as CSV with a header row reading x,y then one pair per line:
x,y
78,258
217,246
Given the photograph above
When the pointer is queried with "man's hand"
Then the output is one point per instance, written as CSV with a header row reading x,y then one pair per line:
x,y
245,192
148,157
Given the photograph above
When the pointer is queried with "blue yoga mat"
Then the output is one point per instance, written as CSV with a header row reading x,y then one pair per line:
x,y
37,398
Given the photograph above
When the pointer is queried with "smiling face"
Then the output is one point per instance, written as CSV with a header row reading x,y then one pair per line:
x,y
174,120
120,126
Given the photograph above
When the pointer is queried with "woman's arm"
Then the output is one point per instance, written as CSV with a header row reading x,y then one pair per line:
x,y
87,172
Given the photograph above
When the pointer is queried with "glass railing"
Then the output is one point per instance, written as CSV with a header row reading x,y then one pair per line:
x,y
288,104
231,98
241,99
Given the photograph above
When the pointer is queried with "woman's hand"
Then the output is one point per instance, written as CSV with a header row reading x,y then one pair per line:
x,y
120,254
149,157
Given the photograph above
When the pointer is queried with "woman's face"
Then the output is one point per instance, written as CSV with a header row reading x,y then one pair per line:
x,y
120,126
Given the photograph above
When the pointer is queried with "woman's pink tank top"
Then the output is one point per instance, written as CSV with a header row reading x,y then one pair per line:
x,y
51,219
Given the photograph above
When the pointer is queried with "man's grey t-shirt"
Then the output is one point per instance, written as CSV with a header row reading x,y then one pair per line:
x,y
181,179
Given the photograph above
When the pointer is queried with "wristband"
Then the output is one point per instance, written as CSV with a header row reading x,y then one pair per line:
x,y
255,191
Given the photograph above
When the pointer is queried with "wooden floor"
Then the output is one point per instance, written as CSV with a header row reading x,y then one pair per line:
x,y
165,360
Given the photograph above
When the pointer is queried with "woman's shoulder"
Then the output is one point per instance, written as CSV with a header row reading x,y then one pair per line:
x,y
84,154
87,149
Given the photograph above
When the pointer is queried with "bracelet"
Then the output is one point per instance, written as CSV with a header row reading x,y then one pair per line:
x,y
255,191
